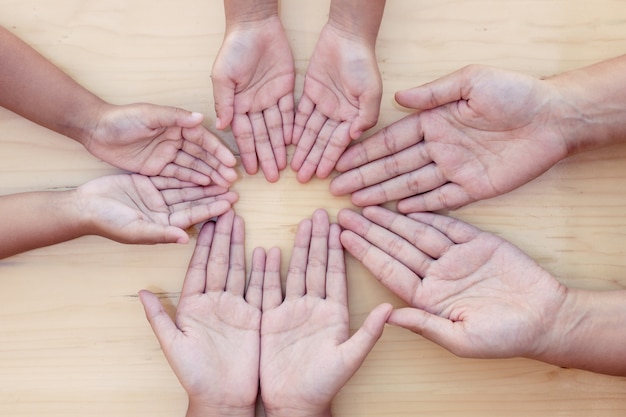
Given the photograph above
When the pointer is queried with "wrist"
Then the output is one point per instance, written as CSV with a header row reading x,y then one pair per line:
x,y
295,412
197,408
590,107
245,11
357,19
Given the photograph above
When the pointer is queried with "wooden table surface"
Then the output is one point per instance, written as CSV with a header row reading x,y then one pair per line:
x,y
73,337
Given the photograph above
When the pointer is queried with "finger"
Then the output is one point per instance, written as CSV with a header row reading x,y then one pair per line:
x,y
272,290
254,292
274,123
364,339
336,282
209,146
457,231
391,139
317,263
219,257
337,144
224,96
185,215
308,139
313,158
304,111
436,93
173,195
296,276
148,232
167,116
394,275
426,239
404,185
161,323
434,328
184,174
236,278
265,153
287,108
377,181
448,196
369,110
195,279
206,164
165,184
244,136
388,241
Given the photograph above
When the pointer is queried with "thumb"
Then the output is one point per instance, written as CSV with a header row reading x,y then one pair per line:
x,y
224,96
434,328
165,116
152,233
161,323
362,342
444,90
367,117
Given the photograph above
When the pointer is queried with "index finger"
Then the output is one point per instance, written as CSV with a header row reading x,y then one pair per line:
x,y
391,139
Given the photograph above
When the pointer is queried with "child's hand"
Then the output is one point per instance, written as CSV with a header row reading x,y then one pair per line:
x,y
138,209
306,352
161,141
213,345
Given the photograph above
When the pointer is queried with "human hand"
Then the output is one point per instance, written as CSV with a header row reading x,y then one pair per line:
x,y
480,132
161,141
213,345
341,99
253,82
470,291
138,209
306,352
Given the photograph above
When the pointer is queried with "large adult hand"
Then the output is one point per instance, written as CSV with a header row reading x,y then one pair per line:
x,y
161,141
480,132
306,352
469,291
253,82
341,99
213,345
138,209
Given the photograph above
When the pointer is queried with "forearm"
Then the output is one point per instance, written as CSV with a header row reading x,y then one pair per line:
x,y
247,11
359,18
591,105
589,333
37,219
33,87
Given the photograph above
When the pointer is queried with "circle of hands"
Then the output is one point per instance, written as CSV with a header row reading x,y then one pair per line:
x,y
472,136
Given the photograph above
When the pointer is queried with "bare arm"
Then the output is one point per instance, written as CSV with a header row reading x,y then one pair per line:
x,y
33,87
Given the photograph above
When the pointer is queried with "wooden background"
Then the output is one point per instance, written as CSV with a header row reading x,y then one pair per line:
x,y
73,337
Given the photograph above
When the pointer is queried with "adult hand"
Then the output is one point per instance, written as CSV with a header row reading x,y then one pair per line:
x,y
213,344
253,82
306,352
161,141
138,209
480,132
469,291
341,99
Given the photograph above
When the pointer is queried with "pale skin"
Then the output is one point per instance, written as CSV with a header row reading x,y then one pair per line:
x,y
213,345
227,338
481,132
480,296
253,81
253,84
342,88
127,208
143,138
307,354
